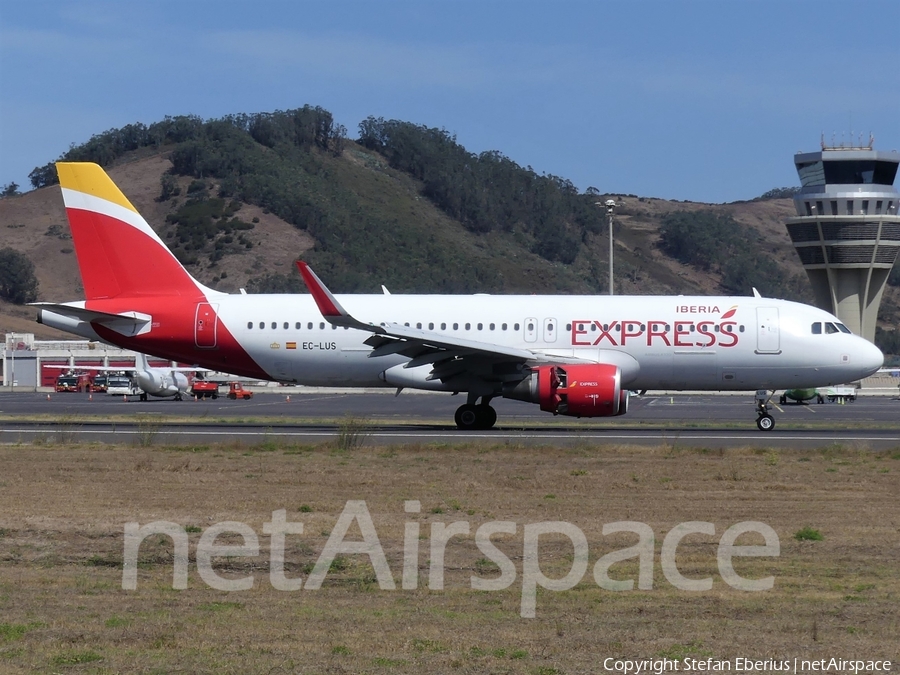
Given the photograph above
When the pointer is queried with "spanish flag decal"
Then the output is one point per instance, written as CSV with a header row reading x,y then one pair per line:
x,y
290,345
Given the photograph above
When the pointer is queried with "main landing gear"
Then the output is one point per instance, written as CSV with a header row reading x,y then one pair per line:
x,y
764,421
470,417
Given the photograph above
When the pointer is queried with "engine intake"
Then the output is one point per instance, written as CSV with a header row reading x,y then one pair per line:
x,y
581,390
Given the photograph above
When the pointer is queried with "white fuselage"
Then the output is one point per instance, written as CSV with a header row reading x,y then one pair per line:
x,y
713,343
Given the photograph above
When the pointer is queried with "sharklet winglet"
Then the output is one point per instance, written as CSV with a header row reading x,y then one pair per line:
x,y
328,305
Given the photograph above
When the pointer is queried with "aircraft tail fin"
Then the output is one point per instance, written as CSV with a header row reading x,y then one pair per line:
x,y
119,254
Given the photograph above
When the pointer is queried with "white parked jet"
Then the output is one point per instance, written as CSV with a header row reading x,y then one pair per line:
x,y
162,382
572,355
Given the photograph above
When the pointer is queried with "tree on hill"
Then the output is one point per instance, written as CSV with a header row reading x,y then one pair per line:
x,y
489,191
17,281
718,243
9,190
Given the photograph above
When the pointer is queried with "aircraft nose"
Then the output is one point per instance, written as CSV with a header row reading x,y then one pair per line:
x,y
869,359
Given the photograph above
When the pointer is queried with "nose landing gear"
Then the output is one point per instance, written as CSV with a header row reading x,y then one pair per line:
x,y
764,421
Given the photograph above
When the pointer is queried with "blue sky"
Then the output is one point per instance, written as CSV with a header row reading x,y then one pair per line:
x,y
701,100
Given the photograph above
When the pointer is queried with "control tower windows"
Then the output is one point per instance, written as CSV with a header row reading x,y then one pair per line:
x,y
859,172
834,207
850,207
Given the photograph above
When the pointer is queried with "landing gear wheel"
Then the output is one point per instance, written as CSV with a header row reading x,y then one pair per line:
x,y
765,422
467,417
143,396
487,416
178,397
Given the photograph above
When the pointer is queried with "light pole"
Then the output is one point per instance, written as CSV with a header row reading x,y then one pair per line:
x,y
610,209
610,205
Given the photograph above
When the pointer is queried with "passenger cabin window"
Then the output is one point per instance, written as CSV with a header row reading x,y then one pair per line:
x,y
262,324
515,326
321,325
309,325
249,324
492,326
430,326
443,326
274,325
480,326
297,325
286,325
419,325
456,326
502,326
468,326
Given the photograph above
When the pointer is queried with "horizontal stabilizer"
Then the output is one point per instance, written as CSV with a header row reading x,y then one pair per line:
x,y
125,323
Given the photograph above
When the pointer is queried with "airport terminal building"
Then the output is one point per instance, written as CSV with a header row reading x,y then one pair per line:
x,y
27,362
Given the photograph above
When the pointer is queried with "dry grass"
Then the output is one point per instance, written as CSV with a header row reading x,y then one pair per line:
x,y
62,513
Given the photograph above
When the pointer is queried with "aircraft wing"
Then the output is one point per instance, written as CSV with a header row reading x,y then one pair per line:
x,y
447,353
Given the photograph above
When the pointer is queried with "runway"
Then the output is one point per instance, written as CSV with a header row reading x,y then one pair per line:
x,y
684,420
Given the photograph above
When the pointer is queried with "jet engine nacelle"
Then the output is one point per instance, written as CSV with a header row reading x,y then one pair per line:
x,y
582,390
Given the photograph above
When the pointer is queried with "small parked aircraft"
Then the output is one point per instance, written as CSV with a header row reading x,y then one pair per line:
x,y
801,396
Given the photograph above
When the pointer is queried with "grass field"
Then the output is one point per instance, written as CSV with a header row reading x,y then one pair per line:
x,y
63,510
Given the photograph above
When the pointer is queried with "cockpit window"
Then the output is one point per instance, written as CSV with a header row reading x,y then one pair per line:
x,y
830,328
843,328
817,328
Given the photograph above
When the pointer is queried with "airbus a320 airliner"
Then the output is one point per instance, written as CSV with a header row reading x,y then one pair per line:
x,y
572,355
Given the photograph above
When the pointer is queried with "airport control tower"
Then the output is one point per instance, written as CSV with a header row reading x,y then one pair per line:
x,y
847,229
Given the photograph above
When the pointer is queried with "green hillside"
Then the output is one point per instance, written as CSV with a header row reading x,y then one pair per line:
x,y
238,198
